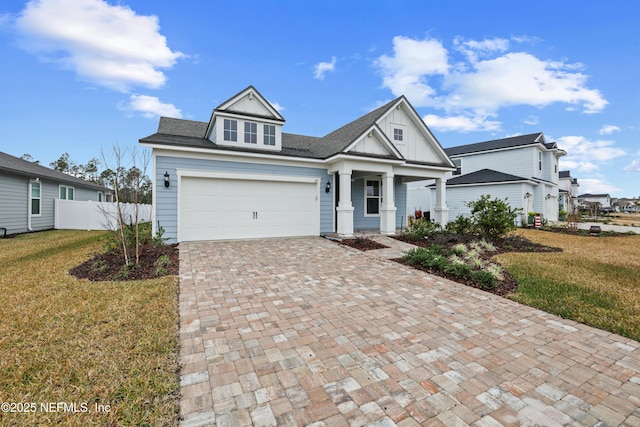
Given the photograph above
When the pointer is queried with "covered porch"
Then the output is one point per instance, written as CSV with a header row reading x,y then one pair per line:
x,y
373,196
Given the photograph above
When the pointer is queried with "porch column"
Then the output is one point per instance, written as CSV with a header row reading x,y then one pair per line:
x,y
344,211
442,211
388,208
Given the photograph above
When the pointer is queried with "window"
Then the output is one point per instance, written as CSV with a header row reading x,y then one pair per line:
x,y
458,163
373,196
539,160
66,193
269,135
250,133
397,134
230,130
35,198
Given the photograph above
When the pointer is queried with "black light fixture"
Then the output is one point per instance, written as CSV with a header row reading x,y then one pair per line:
x,y
327,187
166,179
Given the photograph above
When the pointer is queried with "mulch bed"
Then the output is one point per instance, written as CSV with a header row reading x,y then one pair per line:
x,y
363,244
110,265
508,244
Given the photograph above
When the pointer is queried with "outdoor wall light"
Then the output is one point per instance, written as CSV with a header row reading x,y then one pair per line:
x,y
548,195
166,180
327,187
527,195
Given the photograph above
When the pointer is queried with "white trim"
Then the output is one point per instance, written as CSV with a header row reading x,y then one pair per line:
x,y
384,139
244,176
154,192
379,181
66,192
523,181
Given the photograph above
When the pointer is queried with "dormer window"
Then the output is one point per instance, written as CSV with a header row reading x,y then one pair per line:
x,y
269,135
250,133
230,130
397,134
458,164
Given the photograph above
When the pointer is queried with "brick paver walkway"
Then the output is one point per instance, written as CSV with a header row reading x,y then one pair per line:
x,y
307,332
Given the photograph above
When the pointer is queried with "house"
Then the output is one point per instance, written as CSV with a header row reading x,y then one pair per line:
x,y
239,175
568,196
28,190
522,169
603,201
625,205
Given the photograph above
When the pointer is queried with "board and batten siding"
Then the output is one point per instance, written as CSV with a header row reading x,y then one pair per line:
x,y
166,199
413,146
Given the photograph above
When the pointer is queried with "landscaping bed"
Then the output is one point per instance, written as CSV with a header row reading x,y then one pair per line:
x,y
363,244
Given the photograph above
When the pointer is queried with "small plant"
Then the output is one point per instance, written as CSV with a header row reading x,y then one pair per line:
x,y
485,279
459,249
99,266
159,239
487,246
124,272
460,271
421,228
161,265
495,270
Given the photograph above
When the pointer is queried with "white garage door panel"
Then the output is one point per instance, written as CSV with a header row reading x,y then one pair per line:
x,y
216,209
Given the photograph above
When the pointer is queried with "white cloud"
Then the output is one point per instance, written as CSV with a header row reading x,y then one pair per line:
x,y
324,67
597,186
531,120
150,107
405,72
460,123
634,166
487,79
584,155
106,44
609,129
279,108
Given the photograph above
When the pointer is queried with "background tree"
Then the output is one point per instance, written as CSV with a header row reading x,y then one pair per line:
x,y
29,158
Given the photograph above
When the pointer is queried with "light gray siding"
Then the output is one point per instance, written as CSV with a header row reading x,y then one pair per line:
x,y
458,197
14,203
48,191
167,198
360,222
519,162
400,193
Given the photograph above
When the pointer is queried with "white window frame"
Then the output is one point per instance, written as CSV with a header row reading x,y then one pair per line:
x,y
250,132
367,196
31,198
458,164
230,130
539,160
269,136
66,189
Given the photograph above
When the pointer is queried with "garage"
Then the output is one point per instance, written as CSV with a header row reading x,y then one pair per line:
x,y
234,206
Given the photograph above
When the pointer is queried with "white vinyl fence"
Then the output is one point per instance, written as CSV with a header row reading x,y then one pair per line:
x,y
75,215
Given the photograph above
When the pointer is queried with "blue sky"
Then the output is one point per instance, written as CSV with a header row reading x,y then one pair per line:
x,y
81,75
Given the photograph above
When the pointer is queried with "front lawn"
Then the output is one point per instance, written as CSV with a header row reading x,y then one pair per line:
x,y
594,280
75,352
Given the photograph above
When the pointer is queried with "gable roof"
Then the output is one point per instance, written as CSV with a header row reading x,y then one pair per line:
x,y
187,133
497,144
16,166
484,176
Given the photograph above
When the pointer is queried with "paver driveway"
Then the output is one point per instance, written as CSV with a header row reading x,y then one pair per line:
x,y
307,332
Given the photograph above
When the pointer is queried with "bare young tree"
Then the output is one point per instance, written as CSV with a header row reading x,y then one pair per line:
x,y
114,162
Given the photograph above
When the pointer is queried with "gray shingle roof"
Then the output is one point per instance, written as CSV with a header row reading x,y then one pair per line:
x,y
497,144
484,176
17,166
188,133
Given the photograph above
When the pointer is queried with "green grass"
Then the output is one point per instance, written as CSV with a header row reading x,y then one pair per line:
x,y
75,341
595,280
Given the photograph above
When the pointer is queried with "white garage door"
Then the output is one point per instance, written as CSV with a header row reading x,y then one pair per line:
x,y
223,208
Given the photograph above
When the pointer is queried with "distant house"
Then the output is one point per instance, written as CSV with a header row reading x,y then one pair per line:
x,y
522,169
625,205
568,196
27,191
604,201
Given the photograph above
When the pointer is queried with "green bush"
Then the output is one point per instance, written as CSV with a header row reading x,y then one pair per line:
x,y
493,218
462,225
485,279
421,228
460,271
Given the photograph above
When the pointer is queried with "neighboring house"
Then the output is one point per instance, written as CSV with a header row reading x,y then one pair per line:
x,y
568,197
604,201
522,169
240,176
625,205
27,191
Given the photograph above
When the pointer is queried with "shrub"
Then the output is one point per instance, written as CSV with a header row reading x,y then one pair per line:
x,y
459,249
462,225
431,258
460,271
494,218
485,279
421,228
161,265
